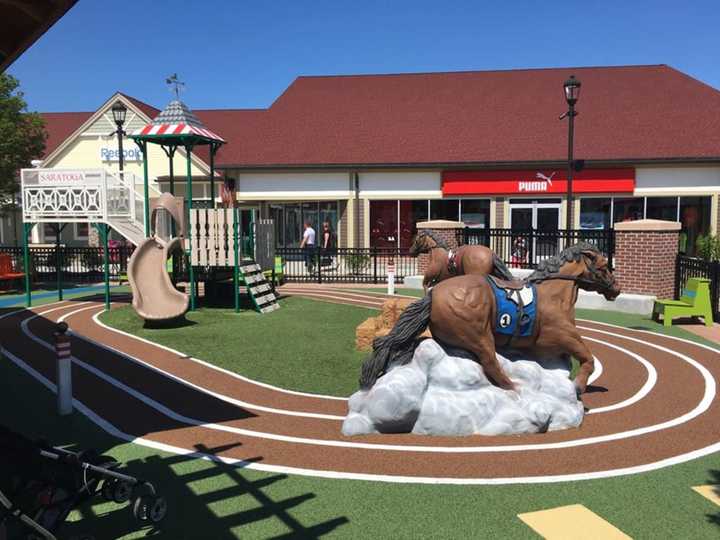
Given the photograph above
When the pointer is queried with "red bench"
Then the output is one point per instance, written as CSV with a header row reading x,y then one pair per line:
x,y
7,272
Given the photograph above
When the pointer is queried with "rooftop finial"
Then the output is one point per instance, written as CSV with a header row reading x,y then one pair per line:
x,y
175,85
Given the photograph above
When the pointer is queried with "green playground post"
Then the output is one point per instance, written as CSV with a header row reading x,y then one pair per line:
x,y
27,227
103,230
146,205
188,204
236,267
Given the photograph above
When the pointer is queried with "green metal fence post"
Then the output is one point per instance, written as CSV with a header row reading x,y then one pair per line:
x,y
27,227
236,267
188,204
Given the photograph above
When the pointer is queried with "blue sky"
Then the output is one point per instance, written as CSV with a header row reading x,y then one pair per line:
x,y
243,54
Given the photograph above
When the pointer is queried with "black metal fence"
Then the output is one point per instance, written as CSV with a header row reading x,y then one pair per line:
x,y
687,267
78,264
346,265
525,249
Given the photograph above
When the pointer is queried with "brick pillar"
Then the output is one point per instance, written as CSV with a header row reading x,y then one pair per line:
x,y
645,253
442,230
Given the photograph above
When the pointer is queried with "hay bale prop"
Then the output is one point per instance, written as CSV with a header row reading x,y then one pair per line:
x,y
381,325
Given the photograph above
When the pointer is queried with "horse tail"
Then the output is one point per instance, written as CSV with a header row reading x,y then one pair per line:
x,y
500,270
399,344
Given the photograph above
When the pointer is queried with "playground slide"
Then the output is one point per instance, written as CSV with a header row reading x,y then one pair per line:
x,y
154,296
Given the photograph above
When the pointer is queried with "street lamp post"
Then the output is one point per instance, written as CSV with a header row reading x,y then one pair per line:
x,y
572,93
119,111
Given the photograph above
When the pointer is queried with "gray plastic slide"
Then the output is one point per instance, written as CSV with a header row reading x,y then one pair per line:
x,y
154,296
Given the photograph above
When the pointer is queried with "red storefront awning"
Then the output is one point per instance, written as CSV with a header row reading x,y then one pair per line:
x,y
537,182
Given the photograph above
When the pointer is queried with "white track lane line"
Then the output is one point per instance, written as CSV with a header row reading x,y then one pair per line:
x,y
708,396
644,390
263,467
96,319
596,375
362,296
184,382
339,299
650,332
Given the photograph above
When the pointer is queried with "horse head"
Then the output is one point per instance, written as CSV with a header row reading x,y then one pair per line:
x,y
424,242
582,263
596,275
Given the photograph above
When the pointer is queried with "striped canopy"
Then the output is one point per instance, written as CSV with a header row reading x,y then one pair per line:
x,y
177,125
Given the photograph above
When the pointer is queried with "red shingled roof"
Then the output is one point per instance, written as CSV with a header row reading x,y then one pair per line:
x,y
60,125
626,113
630,113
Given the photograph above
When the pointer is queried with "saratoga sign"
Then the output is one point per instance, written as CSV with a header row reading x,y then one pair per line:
x,y
61,177
534,181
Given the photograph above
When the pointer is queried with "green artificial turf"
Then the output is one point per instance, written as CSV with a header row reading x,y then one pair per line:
x,y
306,345
208,500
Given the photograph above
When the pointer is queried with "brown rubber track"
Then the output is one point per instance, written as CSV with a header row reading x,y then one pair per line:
x,y
678,390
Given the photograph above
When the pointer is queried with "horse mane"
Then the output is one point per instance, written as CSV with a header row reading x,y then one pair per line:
x,y
552,265
438,241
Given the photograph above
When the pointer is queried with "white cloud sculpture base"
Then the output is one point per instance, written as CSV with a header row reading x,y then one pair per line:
x,y
442,394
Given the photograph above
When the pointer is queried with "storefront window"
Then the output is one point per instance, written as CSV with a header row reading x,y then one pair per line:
x,y
411,212
475,213
293,225
628,209
595,213
665,208
383,224
278,217
444,209
329,213
48,232
695,221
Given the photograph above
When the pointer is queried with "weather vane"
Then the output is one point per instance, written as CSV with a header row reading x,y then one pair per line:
x,y
175,85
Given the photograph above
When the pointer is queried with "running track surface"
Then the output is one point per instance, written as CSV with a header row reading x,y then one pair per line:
x,y
655,406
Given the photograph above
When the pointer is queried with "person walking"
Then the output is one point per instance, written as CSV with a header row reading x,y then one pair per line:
x,y
307,244
327,244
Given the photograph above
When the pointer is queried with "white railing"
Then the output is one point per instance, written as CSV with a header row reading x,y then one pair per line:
x,y
82,195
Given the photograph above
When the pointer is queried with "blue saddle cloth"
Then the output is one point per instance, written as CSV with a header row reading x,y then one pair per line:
x,y
508,310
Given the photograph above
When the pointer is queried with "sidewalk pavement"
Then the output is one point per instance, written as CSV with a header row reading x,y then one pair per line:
x,y
711,333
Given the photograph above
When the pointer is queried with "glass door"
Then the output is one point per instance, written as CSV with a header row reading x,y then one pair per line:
x,y
522,225
547,239
534,225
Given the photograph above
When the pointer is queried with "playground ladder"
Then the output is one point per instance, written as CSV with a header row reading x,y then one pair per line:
x,y
258,287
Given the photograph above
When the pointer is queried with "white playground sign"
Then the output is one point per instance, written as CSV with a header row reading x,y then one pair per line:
x,y
61,177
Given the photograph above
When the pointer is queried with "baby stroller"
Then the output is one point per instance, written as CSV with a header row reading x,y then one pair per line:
x,y
41,484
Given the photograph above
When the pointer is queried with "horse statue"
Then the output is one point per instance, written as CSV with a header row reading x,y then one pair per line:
x,y
471,312
445,263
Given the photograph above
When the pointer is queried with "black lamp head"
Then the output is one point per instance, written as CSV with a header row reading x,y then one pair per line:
x,y
572,90
119,111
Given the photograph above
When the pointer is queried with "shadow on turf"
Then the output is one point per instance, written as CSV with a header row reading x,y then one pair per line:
x,y
715,481
195,510
191,514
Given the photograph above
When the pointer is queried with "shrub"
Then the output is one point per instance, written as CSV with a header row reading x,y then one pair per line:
x,y
708,247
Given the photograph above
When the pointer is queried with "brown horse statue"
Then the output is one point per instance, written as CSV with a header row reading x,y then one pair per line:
x,y
445,263
462,312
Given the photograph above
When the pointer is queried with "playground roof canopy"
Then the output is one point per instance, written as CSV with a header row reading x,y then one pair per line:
x,y
176,125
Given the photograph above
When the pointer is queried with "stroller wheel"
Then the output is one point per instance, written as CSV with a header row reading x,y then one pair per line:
x,y
150,508
107,489
121,491
115,490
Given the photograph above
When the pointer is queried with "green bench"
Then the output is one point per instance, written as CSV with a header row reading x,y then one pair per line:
x,y
695,301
